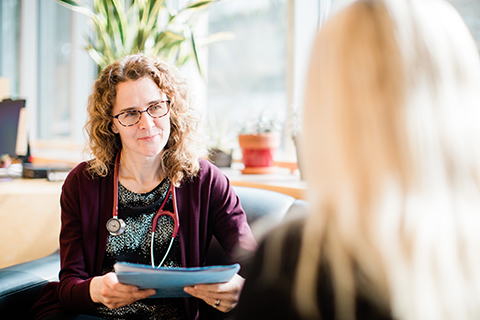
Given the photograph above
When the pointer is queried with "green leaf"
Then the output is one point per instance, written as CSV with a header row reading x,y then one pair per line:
x,y
168,39
101,9
200,4
151,19
77,6
192,8
166,51
126,26
117,38
96,56
195,53
122,20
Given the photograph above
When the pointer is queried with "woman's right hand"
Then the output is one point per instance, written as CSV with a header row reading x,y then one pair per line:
x,y
109,291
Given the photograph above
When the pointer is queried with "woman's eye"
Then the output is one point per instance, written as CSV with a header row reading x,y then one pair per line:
x,y
130,114
155,107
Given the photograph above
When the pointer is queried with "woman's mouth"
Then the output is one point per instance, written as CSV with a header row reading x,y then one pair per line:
x,y
148,138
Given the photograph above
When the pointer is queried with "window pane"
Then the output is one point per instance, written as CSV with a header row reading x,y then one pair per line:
x,y
9,35
54,70
470,12
247,74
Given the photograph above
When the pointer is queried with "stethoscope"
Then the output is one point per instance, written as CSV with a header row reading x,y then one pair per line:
x,y
116,226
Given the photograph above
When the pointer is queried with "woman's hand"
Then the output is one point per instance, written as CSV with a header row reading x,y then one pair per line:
x,y
113,294
223,296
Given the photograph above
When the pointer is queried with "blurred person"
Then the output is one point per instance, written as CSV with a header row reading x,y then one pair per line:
x,y
392,161
143,133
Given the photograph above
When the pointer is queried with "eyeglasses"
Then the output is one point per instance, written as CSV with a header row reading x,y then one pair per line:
x,y
132,117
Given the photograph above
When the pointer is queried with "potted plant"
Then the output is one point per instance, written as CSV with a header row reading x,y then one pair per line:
x,y
222,140
258,140
149,26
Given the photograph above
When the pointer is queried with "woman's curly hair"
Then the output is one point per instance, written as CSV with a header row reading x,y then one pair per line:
x,y
184,146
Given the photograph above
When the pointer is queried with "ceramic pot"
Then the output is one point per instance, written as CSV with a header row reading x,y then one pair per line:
x,y
258,151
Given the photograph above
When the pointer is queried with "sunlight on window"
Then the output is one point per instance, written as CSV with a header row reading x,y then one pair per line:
x,y
470,12
54,54
9,48
246,75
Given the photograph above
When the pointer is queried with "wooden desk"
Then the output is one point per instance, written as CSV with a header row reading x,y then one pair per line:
x,y
30,219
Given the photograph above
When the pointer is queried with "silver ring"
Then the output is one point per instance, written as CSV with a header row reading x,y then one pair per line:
x,y
217,303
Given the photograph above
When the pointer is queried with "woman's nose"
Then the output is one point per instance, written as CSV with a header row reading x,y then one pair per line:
x,y
146,121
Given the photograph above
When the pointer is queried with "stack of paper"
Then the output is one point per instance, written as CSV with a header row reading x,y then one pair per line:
x,y
169,282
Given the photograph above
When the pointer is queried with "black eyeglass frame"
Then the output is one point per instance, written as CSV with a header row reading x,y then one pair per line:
x,y
140,113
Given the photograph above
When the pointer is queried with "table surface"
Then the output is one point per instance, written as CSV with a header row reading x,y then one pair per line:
x,y
30,186
30,215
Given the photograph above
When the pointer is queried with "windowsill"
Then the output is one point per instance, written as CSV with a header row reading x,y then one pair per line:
x,y
285,178
281,180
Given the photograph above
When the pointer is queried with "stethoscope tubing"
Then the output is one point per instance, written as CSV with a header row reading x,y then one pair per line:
x,y
116,226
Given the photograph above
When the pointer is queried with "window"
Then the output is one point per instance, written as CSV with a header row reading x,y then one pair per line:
x,y
66,73
253,71
9,46
55,77
54,59
470,12
247,73
262,69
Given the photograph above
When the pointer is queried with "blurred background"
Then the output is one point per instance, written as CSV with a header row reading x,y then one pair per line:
x,y
254,67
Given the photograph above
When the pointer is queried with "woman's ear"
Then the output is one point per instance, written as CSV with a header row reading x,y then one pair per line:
x,y
114,128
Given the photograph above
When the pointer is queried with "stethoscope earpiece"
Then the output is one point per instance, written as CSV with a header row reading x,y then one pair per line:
x,y
115,226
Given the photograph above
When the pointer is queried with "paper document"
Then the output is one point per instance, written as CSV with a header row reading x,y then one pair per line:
x,y
169,282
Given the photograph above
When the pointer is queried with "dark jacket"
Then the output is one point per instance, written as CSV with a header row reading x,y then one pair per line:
x,y
207,206
269,285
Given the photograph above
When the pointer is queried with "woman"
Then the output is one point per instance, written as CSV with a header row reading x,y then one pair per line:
x,y
392,128
142,133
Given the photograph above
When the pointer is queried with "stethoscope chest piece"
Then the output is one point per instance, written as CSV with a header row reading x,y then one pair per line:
x,y
115,226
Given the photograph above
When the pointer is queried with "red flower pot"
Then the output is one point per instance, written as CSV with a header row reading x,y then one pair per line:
x,y
258,151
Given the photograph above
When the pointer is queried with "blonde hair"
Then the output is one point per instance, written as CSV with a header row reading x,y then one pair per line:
x,y
393,163
184,146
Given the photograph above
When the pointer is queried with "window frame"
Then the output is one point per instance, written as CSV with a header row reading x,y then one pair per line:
x,y
81,69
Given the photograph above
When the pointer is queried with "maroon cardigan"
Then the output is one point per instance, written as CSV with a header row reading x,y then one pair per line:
x,y
207,206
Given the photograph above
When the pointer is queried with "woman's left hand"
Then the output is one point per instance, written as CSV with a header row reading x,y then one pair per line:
x,y
223,296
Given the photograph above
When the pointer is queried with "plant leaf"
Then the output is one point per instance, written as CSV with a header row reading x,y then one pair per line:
x,y
200,4
167,44
96,56
77,6
193,7
126,26
168,39
122,20
195,52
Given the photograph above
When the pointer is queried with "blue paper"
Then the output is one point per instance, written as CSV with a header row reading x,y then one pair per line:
x,y
169,282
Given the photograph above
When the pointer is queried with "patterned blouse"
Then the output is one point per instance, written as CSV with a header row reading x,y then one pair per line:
x,y
133,245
